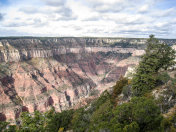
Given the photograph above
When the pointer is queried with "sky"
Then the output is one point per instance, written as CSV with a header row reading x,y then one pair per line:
x,y
88,18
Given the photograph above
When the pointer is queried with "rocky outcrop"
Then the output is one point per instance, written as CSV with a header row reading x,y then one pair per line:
x,y
14,55
60,72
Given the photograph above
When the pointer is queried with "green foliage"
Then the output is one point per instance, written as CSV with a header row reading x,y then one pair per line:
x,y
117,89
141,113
101,117
4,69
3,125
55,121
126,91
123,114
163,78
167,97
61,129
146,113
169,123
173,86
85,118
133,127
102,99
103,113
80,120
142,83
157,57
64,118
49,121
32,123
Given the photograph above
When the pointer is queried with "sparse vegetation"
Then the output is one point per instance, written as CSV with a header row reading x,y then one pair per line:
x,y
4,69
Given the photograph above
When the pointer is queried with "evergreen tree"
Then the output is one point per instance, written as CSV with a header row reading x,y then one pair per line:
x,y
157,57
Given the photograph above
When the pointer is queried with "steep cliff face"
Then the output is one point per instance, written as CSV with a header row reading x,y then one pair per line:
x,y
40,73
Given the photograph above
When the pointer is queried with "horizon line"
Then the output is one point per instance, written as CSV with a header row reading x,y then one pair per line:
x,y
78,37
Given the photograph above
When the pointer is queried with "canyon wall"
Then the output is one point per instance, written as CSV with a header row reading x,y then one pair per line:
x,y
40,73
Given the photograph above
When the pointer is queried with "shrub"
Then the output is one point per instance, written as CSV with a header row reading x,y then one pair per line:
x,y
133,127
141,111
117,89
169,123
3,125
79,122
163,78
101,117
126,91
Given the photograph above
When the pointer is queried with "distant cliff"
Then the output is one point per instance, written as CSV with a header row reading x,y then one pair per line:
x,y
37,73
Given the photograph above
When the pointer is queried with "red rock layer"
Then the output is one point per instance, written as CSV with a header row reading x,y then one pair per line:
x,y
61,81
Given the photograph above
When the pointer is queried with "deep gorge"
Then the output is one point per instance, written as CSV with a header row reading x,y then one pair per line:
x,y
40,73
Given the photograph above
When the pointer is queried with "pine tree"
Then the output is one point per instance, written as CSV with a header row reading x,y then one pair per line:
x,y
157,57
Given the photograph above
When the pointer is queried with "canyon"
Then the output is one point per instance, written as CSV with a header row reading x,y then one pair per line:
x,y
41,73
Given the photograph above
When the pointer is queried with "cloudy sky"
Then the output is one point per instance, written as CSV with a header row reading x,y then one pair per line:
x,y
98,18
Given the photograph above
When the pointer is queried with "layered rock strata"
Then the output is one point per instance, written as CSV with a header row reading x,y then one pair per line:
x,y
40,73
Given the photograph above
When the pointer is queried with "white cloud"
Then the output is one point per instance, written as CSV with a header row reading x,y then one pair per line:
x,y
88,18
29,9
1,17
105,1
144,8
165,13
54,2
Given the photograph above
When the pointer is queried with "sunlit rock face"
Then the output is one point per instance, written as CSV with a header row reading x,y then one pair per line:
x,y
40,73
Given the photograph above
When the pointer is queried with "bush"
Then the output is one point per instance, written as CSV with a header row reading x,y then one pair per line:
x,y
33,122
3,125
80,122
55,121
169,123
126,91
141,111
101,100
101,117
163,78
117,89
49,121
133,127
